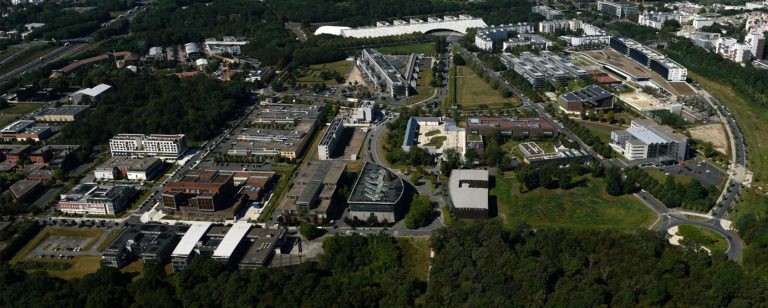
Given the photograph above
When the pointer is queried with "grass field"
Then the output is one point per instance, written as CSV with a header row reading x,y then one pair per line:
x,y
10,51
25,57
423,89
656,174
81,266
425,48
602,131
135,267
584,207
21,108
705,237
415,255
56,231
311,74
474,93
511,146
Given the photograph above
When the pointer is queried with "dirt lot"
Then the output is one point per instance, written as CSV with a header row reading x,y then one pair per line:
x,y
714,133
355,75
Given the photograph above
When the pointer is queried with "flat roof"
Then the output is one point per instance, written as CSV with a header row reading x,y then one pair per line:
x,y
377,184
469,188
190,239
233,238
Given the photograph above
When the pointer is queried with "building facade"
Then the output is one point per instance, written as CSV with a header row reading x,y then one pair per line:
x,y
165,147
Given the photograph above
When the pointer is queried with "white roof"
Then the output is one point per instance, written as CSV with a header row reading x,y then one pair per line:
x,y
190,239
232,239
332,30
95,91
646,135
468,197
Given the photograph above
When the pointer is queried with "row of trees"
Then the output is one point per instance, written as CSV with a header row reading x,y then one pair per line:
x,y
587,136
552,176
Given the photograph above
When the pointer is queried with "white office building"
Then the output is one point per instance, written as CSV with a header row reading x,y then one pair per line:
x,y
645,139
330,140
229,44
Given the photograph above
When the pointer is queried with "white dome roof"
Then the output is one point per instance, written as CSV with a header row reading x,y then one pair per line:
x,y
332,30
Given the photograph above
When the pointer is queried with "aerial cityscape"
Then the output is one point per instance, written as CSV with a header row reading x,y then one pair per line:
x,y
394,153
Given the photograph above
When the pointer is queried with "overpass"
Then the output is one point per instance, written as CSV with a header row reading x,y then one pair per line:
x,y
398,27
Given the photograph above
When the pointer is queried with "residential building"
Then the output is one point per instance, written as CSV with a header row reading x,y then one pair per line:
x,y
618,9
589,97
92,93
136,169
165,147
13,152
202,194
65,113
657,20
192,51
377,194
732,50
756,42
524,39
327,146
645,139
312,196
97,199
156,53
548,12
150,243
228,45
23,130
597,40
60,156
382,73
650,58
468,190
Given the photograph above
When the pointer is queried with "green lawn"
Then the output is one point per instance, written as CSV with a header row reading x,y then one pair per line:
x,y
311,74
437,141
601,130
425,48
10,51
81,266
415,255
26,56
423,89
21,108
584,207
707,238
511,147
474,93
680,178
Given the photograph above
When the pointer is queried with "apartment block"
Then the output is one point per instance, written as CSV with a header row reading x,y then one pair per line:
x,y
165,147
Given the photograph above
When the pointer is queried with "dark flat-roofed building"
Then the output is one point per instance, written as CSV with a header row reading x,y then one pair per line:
x,y
144,241
261,247
56,156
23,130
140,169
65,113
589,97
312,195
13,152
97,199
202,194
25,190
377,193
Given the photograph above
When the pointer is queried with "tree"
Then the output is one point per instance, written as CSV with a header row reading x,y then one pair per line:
x,y
308,231
471,156
671,26
614,184
451,160
420,212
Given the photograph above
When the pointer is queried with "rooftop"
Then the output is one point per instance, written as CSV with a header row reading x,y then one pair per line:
x,y
377,184
190,239
469,188
231,240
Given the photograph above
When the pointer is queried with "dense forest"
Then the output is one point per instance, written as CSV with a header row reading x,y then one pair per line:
x,y
146,103
478,264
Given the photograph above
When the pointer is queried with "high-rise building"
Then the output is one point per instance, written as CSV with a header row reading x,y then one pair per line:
x,y
756,42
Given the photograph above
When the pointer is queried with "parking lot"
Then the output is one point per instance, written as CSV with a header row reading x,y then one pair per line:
x,y
700,170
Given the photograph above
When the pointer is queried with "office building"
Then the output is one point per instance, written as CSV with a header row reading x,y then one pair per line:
x,y
531,40
593,40
542,68
485,37
364,113
280,130
192,51
434,135
382,73
327,146
262,245
231,242
312,196
400,27
645,139
96,199
92,93
535,156
135,169
228,45
165,147
548,12
185,250
23,130
65,113
618,9
510,126
590,97
376,195
468,190
25,190
149,243
202,194
668,69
